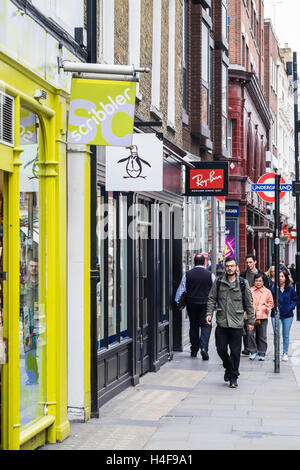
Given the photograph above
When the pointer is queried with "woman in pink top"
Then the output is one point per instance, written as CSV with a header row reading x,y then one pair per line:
x,y
263,303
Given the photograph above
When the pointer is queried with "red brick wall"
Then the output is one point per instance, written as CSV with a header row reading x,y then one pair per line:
x,y
238,16
193,140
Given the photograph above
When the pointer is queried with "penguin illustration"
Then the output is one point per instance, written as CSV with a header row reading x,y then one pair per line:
x,y
134,163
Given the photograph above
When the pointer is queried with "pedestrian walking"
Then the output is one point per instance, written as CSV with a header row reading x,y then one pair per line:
x,y
195,286
287,301
232,296
293,273
249,274
252,269
284,267
262,303
271,276
220,267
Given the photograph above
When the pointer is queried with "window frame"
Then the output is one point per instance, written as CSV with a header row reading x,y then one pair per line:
x,y
107,340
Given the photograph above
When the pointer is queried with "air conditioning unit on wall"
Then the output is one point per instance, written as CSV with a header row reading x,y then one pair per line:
x,y
6,119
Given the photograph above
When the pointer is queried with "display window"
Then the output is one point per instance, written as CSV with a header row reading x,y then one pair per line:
x,y
123,264
110,231
112,266
32,319
100,264
162,261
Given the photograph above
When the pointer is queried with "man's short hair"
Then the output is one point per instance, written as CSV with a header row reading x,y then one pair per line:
x,y
251,256
258,275
199,260
230,259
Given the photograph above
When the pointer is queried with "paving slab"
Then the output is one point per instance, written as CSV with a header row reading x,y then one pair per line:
x,y
187,405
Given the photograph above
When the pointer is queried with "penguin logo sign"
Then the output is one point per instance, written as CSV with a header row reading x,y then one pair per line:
x,y
138,168
134,166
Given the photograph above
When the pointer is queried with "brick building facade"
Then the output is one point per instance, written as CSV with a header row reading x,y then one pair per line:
x,y
205,91
205,78
272,62
250,122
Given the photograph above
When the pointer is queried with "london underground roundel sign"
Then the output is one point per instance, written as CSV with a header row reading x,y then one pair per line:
x,y
265,183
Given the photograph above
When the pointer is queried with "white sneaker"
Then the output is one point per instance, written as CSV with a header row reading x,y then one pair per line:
x,y
285,357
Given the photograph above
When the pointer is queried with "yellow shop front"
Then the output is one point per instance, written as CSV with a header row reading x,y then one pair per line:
x,y
33,305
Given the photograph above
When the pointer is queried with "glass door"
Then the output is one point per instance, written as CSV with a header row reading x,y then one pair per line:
x,y
32,318
144,290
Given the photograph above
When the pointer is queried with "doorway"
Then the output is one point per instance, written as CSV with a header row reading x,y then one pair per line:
x,y
143,284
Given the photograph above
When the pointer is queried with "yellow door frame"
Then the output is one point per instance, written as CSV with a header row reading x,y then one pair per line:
x,y
52,157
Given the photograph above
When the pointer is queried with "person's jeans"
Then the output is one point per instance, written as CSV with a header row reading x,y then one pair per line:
x,y
286,324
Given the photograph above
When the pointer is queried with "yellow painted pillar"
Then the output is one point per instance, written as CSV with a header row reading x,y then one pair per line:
x,y
12,371
49,260
62,423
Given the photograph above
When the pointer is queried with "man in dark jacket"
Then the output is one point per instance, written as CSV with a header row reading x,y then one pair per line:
x,y
251,270
197,283
227,297
249,274
293,273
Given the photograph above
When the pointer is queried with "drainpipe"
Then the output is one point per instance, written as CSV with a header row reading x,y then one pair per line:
x,y
94,273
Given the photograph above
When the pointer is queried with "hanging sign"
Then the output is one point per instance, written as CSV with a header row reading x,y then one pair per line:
x,y
101,112
207,179
265,187
135,168
232,211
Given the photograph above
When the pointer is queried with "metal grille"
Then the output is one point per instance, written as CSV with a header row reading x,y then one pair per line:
x,y
6,119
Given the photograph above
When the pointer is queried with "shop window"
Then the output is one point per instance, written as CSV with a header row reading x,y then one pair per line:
x,y
112,265
32,336
100,264
123,264
143,256
112,260
162,266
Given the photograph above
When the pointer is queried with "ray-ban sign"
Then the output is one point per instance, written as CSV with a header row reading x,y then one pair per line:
x,y
207,179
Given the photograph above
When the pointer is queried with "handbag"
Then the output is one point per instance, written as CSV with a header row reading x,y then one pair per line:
x,y
257,321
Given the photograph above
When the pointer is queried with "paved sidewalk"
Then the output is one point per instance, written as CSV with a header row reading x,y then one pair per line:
x,y
187,406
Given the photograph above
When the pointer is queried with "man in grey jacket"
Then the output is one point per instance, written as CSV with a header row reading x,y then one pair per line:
x,y
232,297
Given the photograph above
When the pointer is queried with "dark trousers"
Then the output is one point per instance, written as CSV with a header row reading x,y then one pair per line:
x,y
231,337
257,338
197,316
245,336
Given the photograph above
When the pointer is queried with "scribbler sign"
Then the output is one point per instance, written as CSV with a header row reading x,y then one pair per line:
x,y
207,179
101,112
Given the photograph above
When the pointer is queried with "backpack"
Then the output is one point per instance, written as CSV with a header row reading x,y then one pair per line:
x,y
242,287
